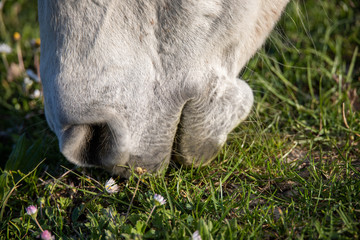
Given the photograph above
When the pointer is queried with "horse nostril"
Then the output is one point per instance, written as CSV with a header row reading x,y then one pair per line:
x,y
99,144
92,145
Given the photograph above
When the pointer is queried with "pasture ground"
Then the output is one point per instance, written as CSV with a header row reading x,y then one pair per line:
x,y
291,171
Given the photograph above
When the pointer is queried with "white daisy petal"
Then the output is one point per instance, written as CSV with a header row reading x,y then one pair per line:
x,y
159,200
4,48
196,235
36,94
111,187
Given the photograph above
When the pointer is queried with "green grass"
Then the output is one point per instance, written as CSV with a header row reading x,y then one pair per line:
x,y
291,171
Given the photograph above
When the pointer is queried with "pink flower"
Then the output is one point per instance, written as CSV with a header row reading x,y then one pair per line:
x,y
46,235
31,210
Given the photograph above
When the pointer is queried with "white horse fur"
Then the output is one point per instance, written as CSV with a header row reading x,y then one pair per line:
x,y
134,83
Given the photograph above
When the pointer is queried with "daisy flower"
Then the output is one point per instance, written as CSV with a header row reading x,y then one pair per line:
x,y
111,187
159,200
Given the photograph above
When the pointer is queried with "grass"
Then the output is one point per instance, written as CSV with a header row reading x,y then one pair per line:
x,y
291,171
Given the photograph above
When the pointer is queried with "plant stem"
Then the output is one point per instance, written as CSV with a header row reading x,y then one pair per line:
x,y
152,210
6,64
2,25
132,199
38,224
19,53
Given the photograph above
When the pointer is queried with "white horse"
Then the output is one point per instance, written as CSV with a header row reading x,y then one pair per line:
x,y
131,83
